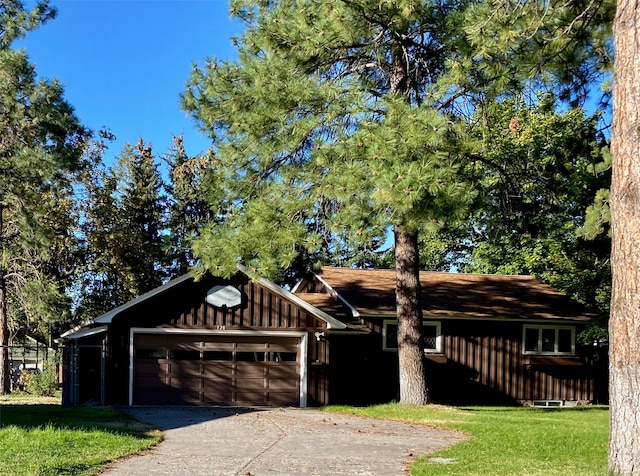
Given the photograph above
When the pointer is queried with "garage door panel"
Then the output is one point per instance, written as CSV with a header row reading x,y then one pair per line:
x,y
244,369
185,368
252,347
282,371
217,398
151,368
185,383
228,346
222,370
282,356
242,384
249,398
149,341
224,386
282,398
184,341
282,347
282,384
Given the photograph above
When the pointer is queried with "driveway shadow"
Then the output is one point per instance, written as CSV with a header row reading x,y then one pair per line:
x,y
172,417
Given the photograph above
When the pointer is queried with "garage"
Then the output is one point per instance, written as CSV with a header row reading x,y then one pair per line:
x,y
237,341
226,368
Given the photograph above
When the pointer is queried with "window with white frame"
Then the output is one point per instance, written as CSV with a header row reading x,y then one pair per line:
x,y
431,336
549,340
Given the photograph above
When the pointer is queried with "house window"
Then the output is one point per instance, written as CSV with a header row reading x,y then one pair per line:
x,y
431,336
549,340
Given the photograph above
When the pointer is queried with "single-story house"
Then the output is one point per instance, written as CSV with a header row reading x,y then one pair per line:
x,y
332,339
488,339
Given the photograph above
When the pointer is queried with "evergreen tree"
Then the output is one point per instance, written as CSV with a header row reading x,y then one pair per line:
x,y
143,214
123,222
100,287
332,103
41,145
188,209
358,104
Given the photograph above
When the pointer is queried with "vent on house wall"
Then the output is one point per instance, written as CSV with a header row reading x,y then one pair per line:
x,y
548,403
224,296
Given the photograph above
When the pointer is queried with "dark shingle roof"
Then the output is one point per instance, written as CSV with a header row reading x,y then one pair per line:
x,y
372,292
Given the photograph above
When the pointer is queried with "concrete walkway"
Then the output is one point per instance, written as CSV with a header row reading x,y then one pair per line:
x,y
216,441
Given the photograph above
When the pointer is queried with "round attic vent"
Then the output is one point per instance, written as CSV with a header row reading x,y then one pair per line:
x,y
224,296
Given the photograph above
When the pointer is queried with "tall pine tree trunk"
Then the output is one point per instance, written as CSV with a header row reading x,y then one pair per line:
x,y
5,387
413,385
624,323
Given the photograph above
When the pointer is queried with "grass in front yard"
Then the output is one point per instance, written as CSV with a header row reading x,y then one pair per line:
x,y
56,440
509,440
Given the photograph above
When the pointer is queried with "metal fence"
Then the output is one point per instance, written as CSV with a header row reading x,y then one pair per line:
x,y
29,358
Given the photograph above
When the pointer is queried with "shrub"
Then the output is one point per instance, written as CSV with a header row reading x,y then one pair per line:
x,y
43,383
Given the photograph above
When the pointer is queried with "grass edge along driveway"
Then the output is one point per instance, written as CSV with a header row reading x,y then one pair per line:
x,y
50,439
508,440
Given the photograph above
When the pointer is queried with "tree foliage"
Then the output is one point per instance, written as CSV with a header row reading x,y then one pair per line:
x,y
340,121
187,208
40,147
330,124
123,224
536,177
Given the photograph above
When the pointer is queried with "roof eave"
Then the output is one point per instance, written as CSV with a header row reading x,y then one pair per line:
x,y
107,317
81,331
332,322
432,316
354,312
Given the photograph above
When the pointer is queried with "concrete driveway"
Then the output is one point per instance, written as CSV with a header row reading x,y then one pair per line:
x,y
215,441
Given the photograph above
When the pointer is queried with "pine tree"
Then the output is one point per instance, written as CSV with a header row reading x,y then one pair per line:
x,y
332,103
365,105
41,145
99,284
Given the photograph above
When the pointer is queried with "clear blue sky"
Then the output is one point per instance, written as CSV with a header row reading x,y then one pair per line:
x,y
124,63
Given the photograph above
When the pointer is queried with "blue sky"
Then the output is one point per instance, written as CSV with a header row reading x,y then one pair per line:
x,y
124,63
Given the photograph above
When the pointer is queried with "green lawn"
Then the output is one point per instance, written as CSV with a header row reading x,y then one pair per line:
x,y
509,440
55,440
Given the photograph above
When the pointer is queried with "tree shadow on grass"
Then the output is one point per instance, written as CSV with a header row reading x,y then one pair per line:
x,y
74,418
134,421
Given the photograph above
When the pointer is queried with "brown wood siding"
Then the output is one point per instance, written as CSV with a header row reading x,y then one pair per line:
x,y
484,360
360,373
481,362
261,309
317,371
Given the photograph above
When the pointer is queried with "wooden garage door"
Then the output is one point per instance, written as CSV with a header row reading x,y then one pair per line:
x,y
174,369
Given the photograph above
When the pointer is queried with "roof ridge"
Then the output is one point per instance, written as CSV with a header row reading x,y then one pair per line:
x,y
430,272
